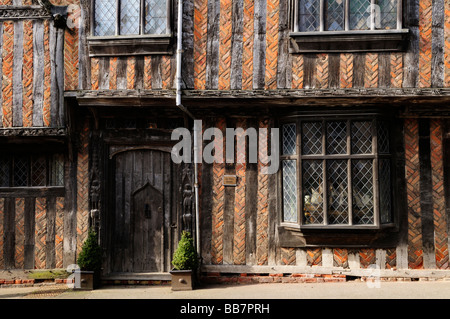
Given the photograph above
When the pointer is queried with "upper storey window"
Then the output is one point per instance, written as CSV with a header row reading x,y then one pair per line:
x,y
347,25
130,27
346,15
130,17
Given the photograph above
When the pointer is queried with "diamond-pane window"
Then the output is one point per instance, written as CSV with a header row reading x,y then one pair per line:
x,y
385,191
312,138
57,170
313,191
337,192
388,14
361,137
383,137
5,169
359,14
335,15
105,17
128,15
337,185
346,15
336,137
35,170
21,168
290,191
362,192
155,16
38,171
309,15
289,139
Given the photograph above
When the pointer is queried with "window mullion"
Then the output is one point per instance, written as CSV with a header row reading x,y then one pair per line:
x,y
296,15
325,192
350,192
298,163
399,14
322,15
372,14
117,17
142,18
347,15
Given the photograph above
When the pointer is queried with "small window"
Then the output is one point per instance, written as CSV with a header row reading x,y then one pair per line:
x,y
130,28
346,15
130,17
347,26
338,174
24,170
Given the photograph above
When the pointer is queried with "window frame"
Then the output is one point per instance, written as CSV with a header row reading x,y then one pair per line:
x,y
347,40
50,161
126,45
375,156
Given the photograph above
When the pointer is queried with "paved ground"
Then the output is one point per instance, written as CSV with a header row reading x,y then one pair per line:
x,y
347,290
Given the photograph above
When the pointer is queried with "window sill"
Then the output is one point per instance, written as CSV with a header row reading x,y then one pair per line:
x,y
349,41
32,191
130,45
343,237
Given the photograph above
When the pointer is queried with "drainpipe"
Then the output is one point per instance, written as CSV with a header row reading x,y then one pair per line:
x,y
185,110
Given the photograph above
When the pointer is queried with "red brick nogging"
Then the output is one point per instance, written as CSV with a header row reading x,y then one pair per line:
x,y
5,283
220,278
227,278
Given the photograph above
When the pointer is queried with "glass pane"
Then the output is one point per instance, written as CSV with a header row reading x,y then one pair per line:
x,y
359,14
387,18
105,17
362,181
313,192
337,192
155,17
129,17
309,15
38,171
385,191
362,137
312,138
336,138
21,166
289,139
4,172
383,138
57,170
335,15
290,191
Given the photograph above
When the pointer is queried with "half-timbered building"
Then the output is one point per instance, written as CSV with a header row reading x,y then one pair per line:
x,y
92,90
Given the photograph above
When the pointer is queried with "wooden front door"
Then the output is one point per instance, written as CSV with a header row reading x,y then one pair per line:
x,y
145,214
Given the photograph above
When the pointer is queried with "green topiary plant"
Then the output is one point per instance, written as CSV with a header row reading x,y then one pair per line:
x,y
90,257
185,256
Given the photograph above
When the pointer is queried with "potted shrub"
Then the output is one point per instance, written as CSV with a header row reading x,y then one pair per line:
x,y
90,262
185,263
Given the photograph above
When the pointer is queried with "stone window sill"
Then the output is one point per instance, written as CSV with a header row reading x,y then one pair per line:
x,y
130,45
349,41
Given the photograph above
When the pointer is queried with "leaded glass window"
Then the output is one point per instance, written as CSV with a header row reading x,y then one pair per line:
x,y
35,170
339,175
346,15
130,17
